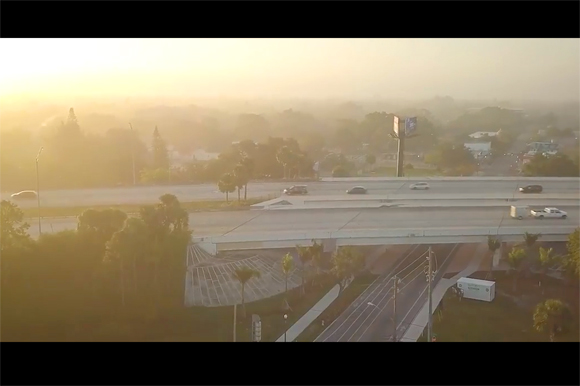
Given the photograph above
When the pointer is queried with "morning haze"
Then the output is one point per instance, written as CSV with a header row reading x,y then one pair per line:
x,y
542,69
261,190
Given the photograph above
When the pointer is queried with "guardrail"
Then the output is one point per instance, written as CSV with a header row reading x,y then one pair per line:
x,y
386,234
490,178
430,196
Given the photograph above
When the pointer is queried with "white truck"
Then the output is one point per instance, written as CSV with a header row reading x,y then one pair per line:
x,y
519,212
549,213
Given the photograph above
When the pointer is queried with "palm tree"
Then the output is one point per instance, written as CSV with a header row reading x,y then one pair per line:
x,y
547,260
284,156
227,185
241,177
531,238
305,257
549,316
287,265
515,258
243,275
493,245
316,251
346,264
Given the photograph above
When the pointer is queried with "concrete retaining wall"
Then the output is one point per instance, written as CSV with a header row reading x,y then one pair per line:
x,y
379,237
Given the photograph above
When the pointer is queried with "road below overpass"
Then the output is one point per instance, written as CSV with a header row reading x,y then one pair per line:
x,y
274,222
370,317
185,193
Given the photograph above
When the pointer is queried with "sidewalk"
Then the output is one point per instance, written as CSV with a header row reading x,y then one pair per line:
x,y
415,330
310,316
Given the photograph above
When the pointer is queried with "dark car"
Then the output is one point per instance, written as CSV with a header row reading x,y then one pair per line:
x,y
531,189
357,190
296,190
25,195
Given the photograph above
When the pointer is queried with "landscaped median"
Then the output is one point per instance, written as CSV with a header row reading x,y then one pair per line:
x,y
192,206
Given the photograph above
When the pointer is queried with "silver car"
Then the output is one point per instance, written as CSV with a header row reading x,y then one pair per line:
x,y
419,186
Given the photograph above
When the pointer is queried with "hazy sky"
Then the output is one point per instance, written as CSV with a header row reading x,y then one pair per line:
x,y
545,69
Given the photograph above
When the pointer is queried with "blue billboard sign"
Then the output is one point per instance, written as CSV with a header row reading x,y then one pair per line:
x,y
410,126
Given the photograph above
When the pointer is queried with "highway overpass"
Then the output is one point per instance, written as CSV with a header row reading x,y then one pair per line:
x,y
325,187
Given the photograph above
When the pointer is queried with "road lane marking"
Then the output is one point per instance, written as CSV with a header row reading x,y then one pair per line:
x,y
382,281
372,322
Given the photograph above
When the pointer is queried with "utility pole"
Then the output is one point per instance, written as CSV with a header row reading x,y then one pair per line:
x,y
396,281
235,319
38,191
430,282
133,155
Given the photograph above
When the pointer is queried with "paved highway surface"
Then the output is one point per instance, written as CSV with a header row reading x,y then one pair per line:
x,y
364,322
264,222
145,195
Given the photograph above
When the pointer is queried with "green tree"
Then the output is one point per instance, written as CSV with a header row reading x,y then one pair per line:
x,y
493,244
13,229
284,157
347,263
243,275
340,171
551,316
454,159
305,256
241,177
547,260
249,164
558,165
572,259
160,153
316,253
227,185
515,259
287,266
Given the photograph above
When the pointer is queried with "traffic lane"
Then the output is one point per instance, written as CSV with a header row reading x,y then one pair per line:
x,y
219,223
412,292
352,317
423,297
142,195
380,327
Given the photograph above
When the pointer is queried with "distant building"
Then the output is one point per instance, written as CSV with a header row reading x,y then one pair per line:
x,y
479,149
543,147
480,134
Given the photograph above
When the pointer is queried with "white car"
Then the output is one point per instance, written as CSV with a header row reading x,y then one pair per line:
x,y
419,186
549,213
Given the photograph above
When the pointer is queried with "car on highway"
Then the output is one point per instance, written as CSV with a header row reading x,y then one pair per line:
x,y
296,190
531,189
549,213
25,195
419,186
357,190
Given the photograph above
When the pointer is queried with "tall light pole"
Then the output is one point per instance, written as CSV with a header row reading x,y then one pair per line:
x,y
396,281
38,190
285,325
430,285
133,155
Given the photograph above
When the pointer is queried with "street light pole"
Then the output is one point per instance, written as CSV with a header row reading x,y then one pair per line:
x,y
38,191
285,325
395,292
430,281
235,319
133,155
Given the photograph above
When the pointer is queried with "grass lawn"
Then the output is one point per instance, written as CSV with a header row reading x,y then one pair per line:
x,y
508,318
191,206
392,171
214,324
349,295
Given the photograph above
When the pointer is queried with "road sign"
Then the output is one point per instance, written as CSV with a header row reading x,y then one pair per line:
x,y
396,125
410,126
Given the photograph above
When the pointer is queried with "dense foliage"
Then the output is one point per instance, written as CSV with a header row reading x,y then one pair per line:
x,y
76,285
